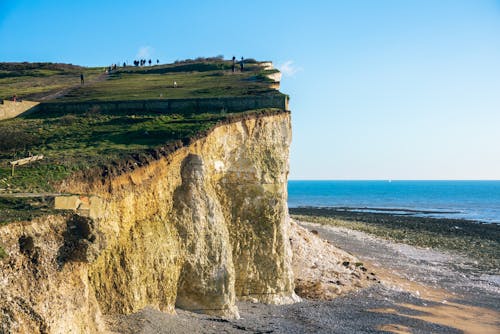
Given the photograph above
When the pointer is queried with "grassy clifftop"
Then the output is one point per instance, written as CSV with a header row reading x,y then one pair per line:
x,y
76,141
196,80
34,81
208,78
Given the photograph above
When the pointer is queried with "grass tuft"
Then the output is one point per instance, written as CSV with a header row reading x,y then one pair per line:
x,y
3,253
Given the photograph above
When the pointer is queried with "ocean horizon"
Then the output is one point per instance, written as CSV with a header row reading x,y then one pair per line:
x,y
477,200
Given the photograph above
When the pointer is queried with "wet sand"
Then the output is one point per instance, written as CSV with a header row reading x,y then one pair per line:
x,y
421,291
478,241
447,290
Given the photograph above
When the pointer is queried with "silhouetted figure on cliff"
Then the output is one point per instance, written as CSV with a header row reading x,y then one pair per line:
x,y
82,79
234,64
241,64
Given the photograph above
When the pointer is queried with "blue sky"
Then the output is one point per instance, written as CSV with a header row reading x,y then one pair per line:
x,y
381,89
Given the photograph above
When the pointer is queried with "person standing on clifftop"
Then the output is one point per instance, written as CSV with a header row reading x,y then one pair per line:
x,y
82,79
241,64
234,64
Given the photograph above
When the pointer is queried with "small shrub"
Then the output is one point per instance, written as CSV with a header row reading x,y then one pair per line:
x,y
3,253
68,119
15,139
93,112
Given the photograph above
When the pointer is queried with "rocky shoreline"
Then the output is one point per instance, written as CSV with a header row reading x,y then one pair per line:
x,y
421,290
478,241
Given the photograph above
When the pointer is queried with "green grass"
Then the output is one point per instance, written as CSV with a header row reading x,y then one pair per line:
x,y
210,78
22,209
33,81
76,142
95,140
3,253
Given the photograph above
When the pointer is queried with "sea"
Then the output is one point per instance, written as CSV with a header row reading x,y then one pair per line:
x,y
471,200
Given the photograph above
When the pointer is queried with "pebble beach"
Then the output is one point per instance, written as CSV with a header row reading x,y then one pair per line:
x,y
420,290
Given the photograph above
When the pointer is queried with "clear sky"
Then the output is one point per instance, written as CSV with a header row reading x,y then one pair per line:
x,y
384,89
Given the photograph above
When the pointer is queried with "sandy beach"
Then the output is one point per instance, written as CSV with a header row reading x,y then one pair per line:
x,y
421,290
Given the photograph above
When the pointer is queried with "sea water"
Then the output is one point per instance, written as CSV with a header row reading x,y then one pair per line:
x,y
474,200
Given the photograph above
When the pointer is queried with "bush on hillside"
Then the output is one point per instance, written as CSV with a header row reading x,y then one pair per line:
x,y
15,140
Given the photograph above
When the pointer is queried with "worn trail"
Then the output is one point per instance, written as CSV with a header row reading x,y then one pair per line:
x,y
63,92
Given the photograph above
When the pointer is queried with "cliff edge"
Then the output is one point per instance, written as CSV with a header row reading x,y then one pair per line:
x,y
196,229
146,201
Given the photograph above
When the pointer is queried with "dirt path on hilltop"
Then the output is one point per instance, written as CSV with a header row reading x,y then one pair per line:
x,y
60,93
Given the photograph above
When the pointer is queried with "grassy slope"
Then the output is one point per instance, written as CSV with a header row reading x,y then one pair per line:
x,y
204,80
31,81
194,80
18,209
82,141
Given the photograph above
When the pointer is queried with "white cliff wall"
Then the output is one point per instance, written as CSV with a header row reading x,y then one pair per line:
x,y
197,229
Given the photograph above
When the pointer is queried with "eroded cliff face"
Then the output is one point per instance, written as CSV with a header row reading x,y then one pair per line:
x,y
197,229
39,293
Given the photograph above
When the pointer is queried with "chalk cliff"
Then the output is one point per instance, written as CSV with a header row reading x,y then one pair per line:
x,y
198,229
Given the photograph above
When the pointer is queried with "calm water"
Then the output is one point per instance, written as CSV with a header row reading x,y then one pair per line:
x,y
476,200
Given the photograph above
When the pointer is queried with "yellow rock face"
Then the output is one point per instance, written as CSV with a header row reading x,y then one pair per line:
x,y
197,230
37,293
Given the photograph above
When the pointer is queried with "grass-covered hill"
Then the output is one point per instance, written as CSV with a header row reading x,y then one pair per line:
x,y
95,138
34,81
210,77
